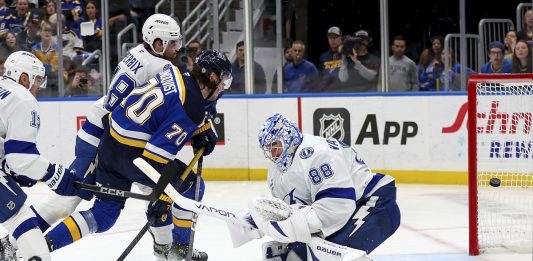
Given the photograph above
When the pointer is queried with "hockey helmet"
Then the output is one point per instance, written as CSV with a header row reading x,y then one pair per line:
x,y
280,134
163,27
213,60
21,62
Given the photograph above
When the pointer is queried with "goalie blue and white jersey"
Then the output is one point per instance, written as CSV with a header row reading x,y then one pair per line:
x,y
153,117
327,175
19,127
134,70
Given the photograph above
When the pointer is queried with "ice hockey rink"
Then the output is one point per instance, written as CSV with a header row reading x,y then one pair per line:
x,y
434,227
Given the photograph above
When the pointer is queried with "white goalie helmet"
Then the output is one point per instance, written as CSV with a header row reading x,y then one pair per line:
x,y
163,27
21,62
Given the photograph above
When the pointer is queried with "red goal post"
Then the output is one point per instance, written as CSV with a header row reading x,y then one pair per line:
x,y
500,147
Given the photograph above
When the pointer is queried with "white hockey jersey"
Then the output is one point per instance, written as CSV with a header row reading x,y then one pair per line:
x,y
135,69
327,175
19,127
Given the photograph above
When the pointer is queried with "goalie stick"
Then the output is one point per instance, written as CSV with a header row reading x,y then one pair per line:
x,y
334,251
168,172
151,221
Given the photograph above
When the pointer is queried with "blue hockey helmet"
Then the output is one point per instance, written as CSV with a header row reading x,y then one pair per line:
x,y
213,60
279,138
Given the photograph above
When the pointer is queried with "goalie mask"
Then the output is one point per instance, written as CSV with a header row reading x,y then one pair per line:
x,y
279,138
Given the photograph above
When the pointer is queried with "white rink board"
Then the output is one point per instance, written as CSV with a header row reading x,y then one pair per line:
x,y
429,149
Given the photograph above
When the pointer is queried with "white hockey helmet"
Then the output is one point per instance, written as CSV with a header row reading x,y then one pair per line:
x,y
21,62
163,27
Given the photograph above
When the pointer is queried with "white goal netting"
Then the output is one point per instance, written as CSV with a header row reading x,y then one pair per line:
x,y
505,152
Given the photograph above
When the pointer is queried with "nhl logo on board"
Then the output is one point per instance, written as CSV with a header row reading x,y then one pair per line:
x,y
306,152
332,123
11,205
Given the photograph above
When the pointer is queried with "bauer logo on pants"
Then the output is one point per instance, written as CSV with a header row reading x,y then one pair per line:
x,y
332,123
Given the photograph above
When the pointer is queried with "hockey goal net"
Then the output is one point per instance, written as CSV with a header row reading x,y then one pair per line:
x,y
500,146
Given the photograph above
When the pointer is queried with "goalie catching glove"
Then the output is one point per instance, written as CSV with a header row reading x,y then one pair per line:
x,y
284,223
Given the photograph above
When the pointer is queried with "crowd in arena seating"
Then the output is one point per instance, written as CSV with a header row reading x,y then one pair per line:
x,y
31,25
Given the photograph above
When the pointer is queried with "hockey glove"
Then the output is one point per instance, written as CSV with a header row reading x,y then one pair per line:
x,y
61,180
159,210
296,228
23,181
83,168
205,137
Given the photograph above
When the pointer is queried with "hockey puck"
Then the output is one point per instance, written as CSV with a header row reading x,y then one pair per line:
x,y
495,182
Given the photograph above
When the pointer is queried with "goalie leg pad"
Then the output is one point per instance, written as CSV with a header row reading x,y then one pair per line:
x,y
375,220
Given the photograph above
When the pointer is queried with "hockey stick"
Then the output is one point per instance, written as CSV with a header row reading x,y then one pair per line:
x,y
331,250
190,249
152,220
168,172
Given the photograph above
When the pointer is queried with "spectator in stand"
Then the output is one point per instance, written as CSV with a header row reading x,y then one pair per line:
x,y
429,64
450,80
79,83
49,11
30,36
287,59
496,63
237,72
9,45
331,60
92,14
46,51
72,11
522,62
299,76
359,70
4,10
287,54
16,22
195,48
510,42
526,33
402,70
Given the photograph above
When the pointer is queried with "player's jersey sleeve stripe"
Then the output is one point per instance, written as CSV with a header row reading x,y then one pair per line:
x,y
90,133
344,193
92,129
156,150
181,222
127,141
181,85
125,136
22,147
154,157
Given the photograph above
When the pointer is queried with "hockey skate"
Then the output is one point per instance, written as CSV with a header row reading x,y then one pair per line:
x,y
178,252
7,250
161,251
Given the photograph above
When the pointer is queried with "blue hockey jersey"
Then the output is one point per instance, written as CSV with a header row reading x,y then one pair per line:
x,y
154,117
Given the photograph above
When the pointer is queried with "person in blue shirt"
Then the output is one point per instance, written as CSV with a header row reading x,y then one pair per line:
x,y
496,63
153,122
300,75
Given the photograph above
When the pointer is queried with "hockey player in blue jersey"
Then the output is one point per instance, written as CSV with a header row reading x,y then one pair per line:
x,y
161,36
20,160
333,194
154,122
